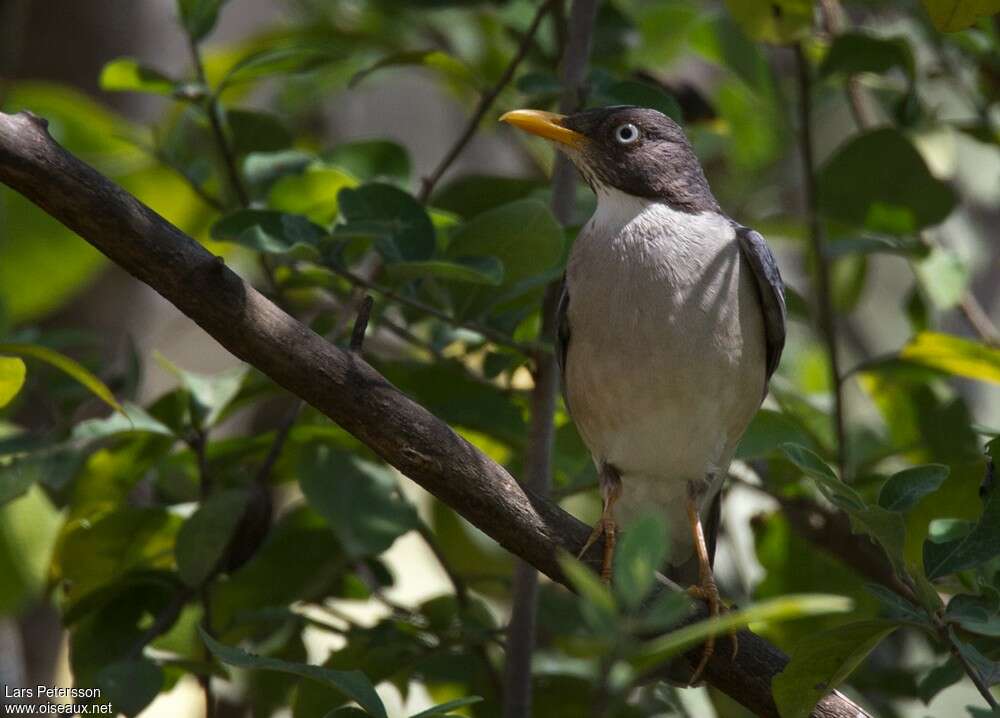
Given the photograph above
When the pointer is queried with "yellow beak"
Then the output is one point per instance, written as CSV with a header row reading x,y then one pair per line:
x,y
544,124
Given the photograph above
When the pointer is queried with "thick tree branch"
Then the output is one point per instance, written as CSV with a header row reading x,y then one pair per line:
x,y
337,383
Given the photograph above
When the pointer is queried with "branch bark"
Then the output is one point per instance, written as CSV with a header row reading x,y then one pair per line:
x,y
340,384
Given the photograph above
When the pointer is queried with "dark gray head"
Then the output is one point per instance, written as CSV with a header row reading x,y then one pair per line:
x,y
638,151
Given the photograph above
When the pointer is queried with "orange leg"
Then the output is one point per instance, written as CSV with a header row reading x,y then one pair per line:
x,y
706,589
611,490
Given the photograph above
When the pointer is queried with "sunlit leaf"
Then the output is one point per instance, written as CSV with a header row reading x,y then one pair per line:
x,y
774,21
954,355
352,683
821,662
12,374
66,365
126,74
786,608
313,193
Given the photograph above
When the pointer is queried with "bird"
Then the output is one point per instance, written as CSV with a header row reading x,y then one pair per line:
x,y
670,325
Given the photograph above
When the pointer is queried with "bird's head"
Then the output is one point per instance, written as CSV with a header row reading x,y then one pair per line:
x,y
634,150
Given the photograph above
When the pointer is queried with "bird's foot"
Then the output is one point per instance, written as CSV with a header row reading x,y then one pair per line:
x,y
606,527
708,591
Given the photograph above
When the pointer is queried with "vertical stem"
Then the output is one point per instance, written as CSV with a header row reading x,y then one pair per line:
x,y
538,468
823,299
215,121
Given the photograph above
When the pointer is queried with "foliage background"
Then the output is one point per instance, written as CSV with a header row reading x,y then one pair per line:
x,y
109,526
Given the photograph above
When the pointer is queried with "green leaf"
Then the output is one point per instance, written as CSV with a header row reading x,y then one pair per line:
x,y
132,418
473,270
336,485
288,60
943,278
271,232
978,546
67,366
210,394
12,373
821,662
354,684
448,66
954,355
203,538
598,603
398,223
255,131
471,195
954,15
126,74
444,708
198,17
855,52
130,685
785,608
768,431
812,465
848,246
878,180
976,614
904,489
314,192
638,557
372,159
774,21
523,235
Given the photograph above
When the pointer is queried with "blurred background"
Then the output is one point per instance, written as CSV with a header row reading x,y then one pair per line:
x,y
909,219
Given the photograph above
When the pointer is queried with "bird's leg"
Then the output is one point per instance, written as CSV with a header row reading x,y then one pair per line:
x,y
611,490
706,589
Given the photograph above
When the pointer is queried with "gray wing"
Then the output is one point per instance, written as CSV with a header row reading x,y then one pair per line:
x,y
562,336
770,289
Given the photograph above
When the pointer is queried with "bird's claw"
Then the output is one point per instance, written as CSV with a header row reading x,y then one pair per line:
x,y
605,527
708,591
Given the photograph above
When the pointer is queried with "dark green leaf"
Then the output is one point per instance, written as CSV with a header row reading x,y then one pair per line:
x,y
199,16
444,708
210,394
289,60
352,683
896,607
66,365
399,224
821,662
878,180
638,557
203,539
133,418
768,431
372,159
126,74
855,52
954,15
979,546
598,604
255,131
523,235
473,270
939,678
629,92
337,486
130,685
976,614
474,194
904,489
269,231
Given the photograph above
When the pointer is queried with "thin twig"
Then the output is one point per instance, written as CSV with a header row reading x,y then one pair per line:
x,y
361,324
970,670
457,582
486,101
538,461
214,114
493,335
823,298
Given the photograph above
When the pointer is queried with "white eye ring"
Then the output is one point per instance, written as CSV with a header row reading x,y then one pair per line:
x,y
626,134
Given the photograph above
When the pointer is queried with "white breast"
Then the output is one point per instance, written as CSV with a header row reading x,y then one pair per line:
x,y
665,366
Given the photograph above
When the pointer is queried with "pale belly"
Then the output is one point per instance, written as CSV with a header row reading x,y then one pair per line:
x,y
665,365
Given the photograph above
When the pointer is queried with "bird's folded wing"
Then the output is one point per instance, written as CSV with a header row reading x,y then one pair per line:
x,y
562,336
771,290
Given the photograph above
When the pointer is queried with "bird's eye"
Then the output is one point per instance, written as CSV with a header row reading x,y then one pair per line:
x,y
626,134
